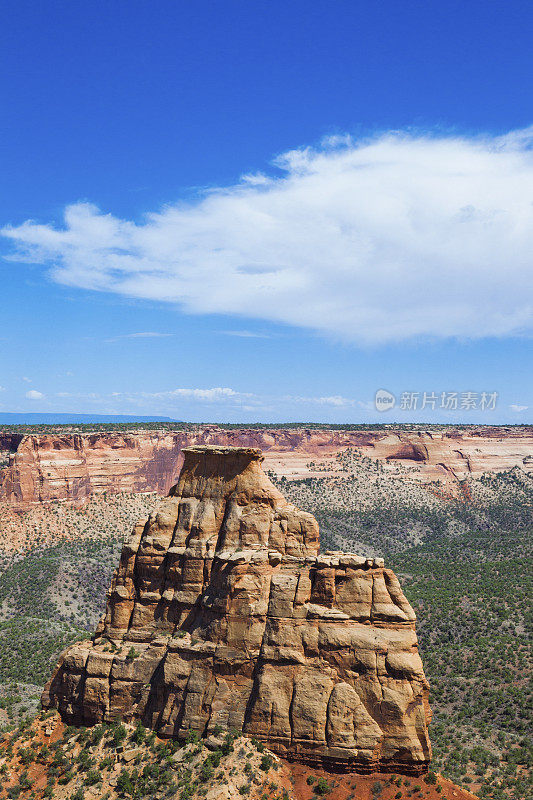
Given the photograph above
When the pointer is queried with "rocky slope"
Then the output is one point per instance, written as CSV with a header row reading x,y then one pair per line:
x,y
47,759
223,615
73,466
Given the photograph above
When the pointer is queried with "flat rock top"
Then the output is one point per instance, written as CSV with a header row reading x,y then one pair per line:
x,y
214,449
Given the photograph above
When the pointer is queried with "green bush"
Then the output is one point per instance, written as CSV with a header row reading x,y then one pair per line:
x,y
132,654
92,777
124,783
206,771
119,734
192,737
139,734
266,762
322,787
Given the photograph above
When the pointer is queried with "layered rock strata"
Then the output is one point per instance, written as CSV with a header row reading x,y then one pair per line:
x,y
223,612
72,466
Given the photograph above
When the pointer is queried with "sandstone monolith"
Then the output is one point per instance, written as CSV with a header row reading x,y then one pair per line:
x,y
223,614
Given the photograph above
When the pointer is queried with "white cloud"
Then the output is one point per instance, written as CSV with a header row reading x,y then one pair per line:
x,y
379,240
142,335
218,394
223,395
517,408
246,334
2,388
33,394
335,400
26,380
79,395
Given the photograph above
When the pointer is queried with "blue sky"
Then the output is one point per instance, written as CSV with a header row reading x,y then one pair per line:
x,y
246,211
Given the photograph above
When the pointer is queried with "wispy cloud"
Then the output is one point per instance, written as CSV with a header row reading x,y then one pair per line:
x,y
246,334
33,394
215,395
517,408
80,395
334,400
224,396
396,236
142,335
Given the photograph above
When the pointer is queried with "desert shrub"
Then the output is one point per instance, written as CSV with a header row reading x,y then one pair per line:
x,y
119,734
97,734
192,737
206,771
92,777
322,787
266,762
124,783
139,734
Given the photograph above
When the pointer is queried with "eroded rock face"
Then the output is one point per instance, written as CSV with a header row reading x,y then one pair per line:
x,y
72,466
223,613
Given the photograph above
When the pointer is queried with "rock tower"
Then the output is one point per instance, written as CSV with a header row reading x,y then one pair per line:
x,y
223,614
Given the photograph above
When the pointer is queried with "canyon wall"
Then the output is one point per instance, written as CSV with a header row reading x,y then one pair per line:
x,y
73,466
223,615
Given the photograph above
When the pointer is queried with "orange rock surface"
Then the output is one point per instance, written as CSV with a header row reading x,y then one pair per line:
x,y
223,613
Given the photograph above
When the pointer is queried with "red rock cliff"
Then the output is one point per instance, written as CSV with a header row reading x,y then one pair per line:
x,y
42,467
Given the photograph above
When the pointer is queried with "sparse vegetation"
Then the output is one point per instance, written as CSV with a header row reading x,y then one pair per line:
x,y
464,565
466,568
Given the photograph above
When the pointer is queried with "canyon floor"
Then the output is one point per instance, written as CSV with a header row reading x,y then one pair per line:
x,y
461,546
